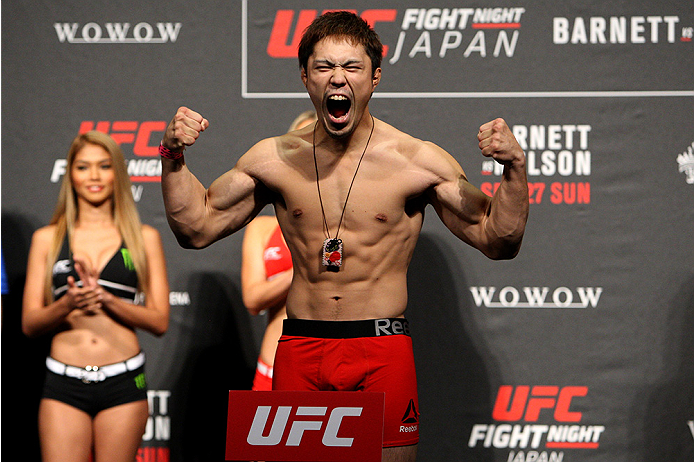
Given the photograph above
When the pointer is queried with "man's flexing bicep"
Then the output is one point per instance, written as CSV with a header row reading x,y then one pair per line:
x,y
463,208
232,201
199,216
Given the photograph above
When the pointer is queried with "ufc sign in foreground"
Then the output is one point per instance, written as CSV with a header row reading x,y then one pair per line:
x,y
305,426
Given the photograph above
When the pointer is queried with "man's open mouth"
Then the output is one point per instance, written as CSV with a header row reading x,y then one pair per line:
x,y
338,106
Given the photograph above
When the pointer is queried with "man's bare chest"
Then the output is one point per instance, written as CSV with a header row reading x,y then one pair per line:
x,y
382,181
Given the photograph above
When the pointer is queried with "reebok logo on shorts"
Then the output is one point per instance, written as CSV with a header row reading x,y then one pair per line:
x,y
411,417
391,327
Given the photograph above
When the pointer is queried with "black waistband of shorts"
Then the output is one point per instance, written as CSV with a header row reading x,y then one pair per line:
x,y
346,329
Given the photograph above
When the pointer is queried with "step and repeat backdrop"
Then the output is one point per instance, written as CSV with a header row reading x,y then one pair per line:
x,y
580,349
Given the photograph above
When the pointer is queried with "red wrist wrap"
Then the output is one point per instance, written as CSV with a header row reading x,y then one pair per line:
x,y
168,153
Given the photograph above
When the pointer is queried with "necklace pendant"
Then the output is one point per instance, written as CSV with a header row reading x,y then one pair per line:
x,y
332,253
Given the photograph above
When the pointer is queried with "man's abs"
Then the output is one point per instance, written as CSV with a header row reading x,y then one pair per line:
x,y
384,297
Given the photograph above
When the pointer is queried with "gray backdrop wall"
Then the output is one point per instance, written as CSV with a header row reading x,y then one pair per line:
x,y
580,349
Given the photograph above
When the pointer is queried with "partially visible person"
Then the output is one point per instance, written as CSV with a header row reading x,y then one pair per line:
x,y
304,119
266,273
86,275
4,288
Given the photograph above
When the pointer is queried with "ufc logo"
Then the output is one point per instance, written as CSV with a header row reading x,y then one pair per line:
x,y
305,426
527,403
298,427
279,45
144,136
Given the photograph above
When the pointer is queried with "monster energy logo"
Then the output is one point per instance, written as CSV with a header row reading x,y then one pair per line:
x,y
140,381
127,259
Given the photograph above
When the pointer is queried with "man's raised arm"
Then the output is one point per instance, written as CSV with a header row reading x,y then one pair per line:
x,y
508,213
494,225
198,216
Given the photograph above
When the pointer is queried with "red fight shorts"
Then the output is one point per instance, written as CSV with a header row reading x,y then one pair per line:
x,y
263,377
373,355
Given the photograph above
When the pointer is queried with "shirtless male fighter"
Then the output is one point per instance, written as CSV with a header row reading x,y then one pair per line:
x,y
349,193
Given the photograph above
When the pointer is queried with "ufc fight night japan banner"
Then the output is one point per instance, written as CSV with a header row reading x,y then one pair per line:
x,y
579,349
